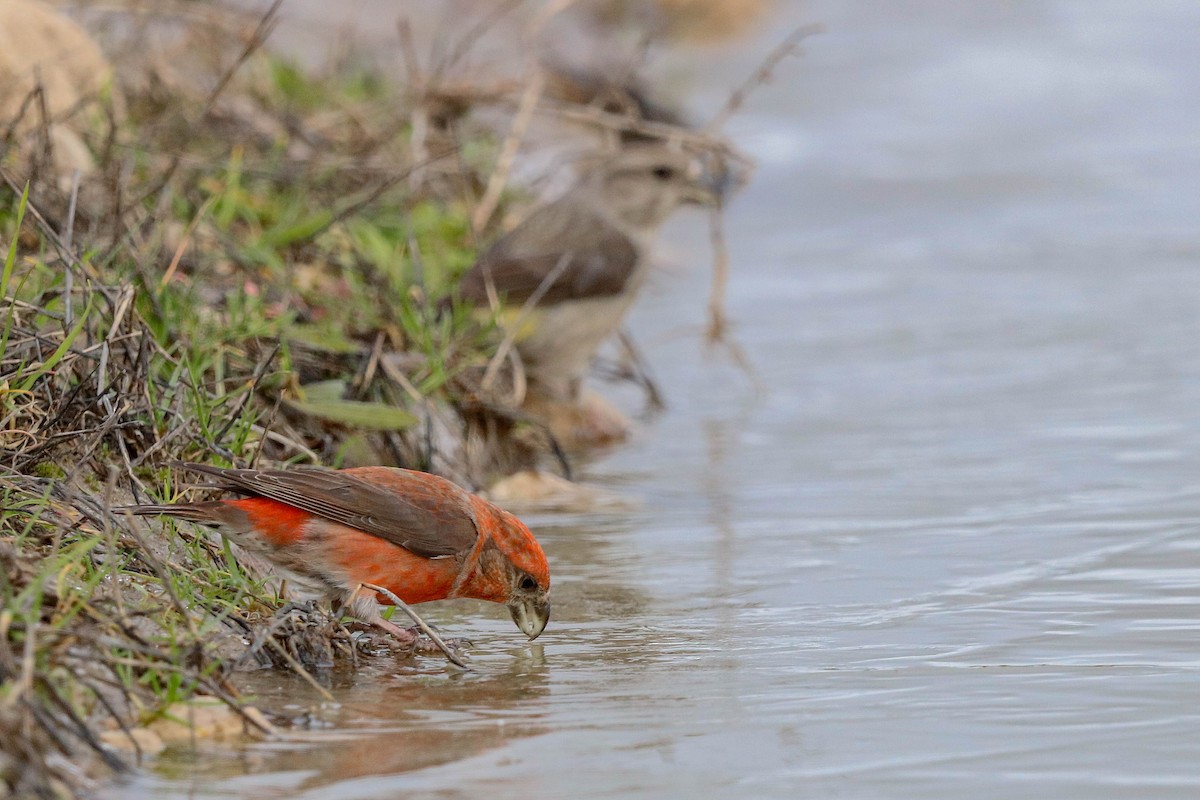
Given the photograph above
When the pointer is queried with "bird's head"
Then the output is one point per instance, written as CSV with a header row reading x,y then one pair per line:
x,y
642,185
509,567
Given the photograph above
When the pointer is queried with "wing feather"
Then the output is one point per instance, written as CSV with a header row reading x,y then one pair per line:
x,y
601,259
422,513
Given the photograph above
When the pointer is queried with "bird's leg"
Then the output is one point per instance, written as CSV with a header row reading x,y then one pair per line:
x,y
362,606
447,649
412,639
426,646
406,636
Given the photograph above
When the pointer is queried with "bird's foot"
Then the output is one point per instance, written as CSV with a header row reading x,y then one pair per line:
x,y
412,640
425,646
406,638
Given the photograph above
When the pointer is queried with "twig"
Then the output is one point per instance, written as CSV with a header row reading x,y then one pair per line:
x,y
81,729
428,631
146,555
508,152
654,398
510,334
266,24
374,194
717,321
184,241
474,34
408,50
716,333
299,669
43,128
46,227
397,376
279,438
69,276
789,46
515,415
11,130
261,32
260,372
529,102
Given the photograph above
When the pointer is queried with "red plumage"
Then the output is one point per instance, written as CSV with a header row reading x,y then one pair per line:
x,y
417,535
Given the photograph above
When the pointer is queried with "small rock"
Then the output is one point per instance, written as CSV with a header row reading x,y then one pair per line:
x,y
136,740
534,490
38,45
202,718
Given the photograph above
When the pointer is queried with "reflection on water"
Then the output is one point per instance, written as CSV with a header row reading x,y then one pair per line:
x,y
383,725
953,551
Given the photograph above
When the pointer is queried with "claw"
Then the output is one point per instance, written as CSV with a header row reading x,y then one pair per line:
x,y
400,633
427,647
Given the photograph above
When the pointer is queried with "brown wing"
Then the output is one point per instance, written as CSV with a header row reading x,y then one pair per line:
x,y
422,513
600,258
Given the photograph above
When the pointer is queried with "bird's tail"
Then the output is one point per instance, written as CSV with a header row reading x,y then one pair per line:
x,y
213,513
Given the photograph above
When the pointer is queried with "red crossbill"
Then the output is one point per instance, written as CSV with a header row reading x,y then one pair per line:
x,y
417,535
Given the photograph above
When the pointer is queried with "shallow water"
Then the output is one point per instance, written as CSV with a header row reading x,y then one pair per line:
x,y
951,549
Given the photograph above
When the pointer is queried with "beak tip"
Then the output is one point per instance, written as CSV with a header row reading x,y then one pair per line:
x,y
531,618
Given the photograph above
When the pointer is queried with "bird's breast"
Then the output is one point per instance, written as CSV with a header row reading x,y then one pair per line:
x,y
565,335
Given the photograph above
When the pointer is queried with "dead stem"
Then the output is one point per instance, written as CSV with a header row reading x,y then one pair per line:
x,y
717,320
762,74
511,331
154,314
508,152
297,668
448,651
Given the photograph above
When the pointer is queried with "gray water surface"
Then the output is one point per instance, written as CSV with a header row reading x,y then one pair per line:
x,y
952,548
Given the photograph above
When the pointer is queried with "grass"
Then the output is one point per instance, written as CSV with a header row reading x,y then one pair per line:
x,y
251,273
270,298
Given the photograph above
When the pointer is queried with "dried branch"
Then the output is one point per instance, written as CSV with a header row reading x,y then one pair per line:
x,y
789,46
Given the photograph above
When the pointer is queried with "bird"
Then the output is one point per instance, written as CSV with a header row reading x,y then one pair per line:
x,y
414,534
579,261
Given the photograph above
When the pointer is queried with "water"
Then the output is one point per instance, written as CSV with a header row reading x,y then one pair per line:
x,y
951,549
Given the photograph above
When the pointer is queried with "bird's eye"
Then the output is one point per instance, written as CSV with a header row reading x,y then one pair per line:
x,y
527,584
664,173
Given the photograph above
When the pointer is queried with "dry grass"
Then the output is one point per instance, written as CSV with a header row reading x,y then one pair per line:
x,y
235,245
250,273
